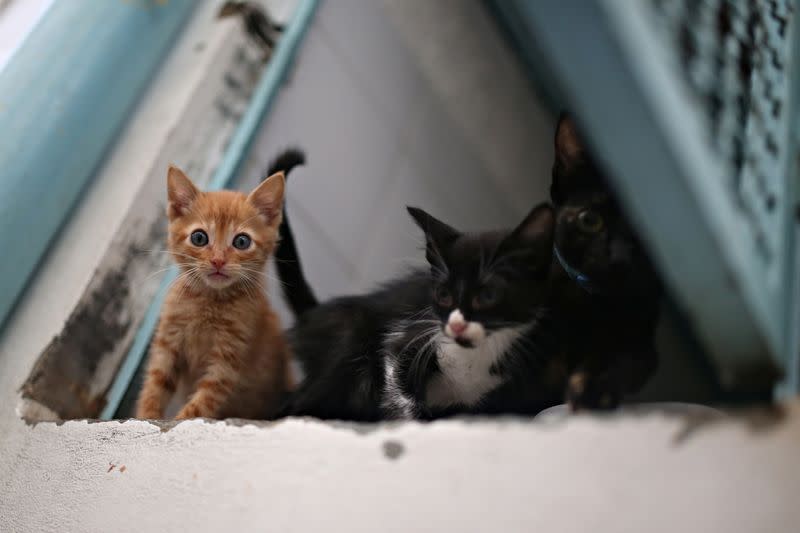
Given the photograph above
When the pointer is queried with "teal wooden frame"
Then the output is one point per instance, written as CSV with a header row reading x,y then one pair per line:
x,y
64,95
619,83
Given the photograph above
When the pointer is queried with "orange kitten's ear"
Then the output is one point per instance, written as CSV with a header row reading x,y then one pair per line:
x,y
181,192
268,198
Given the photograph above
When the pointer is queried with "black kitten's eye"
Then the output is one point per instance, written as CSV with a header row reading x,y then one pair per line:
x,y
589,221
487,297
199,238
242,241
443,296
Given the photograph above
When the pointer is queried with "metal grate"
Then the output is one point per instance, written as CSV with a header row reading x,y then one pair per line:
x,y
694,106
733,56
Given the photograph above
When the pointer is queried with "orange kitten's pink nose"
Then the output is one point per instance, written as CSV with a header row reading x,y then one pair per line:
x,y
218,263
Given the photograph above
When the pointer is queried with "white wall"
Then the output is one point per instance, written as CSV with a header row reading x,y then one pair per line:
x,y
391,113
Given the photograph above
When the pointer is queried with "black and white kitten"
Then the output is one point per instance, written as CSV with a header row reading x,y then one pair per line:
x,y
464,337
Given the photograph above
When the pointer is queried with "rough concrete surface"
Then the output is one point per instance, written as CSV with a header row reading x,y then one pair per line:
x,y
630,474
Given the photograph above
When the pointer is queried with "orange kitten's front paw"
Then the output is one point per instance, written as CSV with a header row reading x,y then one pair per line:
x,y
148,415
149,411
188,411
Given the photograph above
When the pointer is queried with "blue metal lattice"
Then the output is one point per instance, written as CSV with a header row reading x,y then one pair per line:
x,y
733,58
692,105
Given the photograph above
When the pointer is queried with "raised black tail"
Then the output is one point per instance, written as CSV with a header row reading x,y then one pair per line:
x,y
295,287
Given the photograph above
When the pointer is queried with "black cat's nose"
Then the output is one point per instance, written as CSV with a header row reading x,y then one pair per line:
x,y
621,252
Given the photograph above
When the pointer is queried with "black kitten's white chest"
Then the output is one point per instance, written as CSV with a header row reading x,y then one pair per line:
x,y
465,374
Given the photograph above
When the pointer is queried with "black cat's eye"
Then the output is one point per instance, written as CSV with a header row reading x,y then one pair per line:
x,y
487,297
443,296
590,221
199,238
242,241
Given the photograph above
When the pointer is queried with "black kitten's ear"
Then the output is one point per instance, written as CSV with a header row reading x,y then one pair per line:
x,y
437,234
434,228
534,237
537,228
570,152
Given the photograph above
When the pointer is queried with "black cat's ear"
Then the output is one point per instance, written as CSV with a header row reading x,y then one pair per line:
x,y
569,146
438,235
570,152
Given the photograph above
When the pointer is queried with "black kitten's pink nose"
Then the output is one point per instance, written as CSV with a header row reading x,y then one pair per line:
x,y
458,327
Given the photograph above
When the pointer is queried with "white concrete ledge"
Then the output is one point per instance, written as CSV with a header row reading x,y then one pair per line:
x,y
620,473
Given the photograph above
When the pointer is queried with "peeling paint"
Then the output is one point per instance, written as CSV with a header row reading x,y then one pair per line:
x,y
64,377
63,374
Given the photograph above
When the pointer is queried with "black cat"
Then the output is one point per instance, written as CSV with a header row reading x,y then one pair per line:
x,y
606,294
469,336
296,289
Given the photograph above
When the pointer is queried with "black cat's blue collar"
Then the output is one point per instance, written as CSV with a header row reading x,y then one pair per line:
x,y
582,280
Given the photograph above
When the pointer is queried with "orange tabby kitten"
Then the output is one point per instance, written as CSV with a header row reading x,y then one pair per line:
x,y
218,336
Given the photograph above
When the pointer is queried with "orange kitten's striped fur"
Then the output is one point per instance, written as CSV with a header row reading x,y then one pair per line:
x,y
218,334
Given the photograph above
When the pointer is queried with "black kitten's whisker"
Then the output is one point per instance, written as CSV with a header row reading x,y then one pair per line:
x,y
419,363
425,332
418,314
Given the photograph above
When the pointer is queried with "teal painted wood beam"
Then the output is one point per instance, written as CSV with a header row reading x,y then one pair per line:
x,y
64,95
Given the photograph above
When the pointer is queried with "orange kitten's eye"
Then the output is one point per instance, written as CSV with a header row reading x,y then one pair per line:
x,y
199,238
242,241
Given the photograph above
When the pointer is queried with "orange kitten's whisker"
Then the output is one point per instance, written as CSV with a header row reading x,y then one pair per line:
x,y
252,291
253,283
156,273
263,272
249,269
277,280
161,270
187,280
167,252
